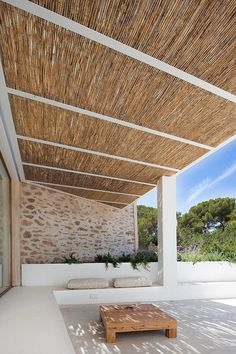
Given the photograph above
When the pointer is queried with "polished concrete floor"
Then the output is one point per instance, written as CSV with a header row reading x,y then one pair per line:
x,y
204,326
31,323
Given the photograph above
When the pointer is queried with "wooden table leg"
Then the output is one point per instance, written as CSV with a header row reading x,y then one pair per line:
x,y
110,336
171,332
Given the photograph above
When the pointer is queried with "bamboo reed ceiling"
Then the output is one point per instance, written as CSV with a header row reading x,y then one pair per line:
x,y
196,36
39,174
52,62
49,123
47,60
78,161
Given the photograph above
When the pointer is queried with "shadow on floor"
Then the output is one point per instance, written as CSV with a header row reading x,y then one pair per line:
x,y
204,326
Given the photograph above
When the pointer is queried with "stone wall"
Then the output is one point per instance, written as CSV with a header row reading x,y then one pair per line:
x,y
53,225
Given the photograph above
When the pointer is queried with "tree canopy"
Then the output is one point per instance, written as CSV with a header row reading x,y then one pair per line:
x,y
147,225
208,227
209,215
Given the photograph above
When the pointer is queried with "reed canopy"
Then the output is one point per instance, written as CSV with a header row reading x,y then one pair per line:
x,y
108,96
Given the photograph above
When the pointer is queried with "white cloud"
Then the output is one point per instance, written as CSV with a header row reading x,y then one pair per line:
x,y
198,189
209,183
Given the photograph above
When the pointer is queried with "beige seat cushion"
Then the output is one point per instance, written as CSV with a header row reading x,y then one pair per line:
x,y
88,283
130,282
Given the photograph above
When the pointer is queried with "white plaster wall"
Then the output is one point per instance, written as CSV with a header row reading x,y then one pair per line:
x,y
59,274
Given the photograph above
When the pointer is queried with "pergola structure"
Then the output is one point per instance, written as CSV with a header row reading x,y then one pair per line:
x,y
106,99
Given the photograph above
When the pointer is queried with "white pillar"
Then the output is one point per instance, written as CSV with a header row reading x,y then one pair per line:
x,y
135,226
167,245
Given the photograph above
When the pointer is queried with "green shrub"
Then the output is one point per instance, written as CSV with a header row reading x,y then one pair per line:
x,y
107,258
125,258
72,258
206,257
141,258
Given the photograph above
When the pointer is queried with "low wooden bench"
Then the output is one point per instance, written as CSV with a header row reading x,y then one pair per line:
x,y
130,318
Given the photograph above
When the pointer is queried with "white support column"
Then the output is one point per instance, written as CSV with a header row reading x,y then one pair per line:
x,y
167,245
135,225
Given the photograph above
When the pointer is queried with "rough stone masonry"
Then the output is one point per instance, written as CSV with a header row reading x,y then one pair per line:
x,y
54,224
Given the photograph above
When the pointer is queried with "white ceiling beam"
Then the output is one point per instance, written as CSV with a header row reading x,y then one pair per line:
x,y
97,153
105,118
86,174
73,195
8,133
84,31
6,152
84,189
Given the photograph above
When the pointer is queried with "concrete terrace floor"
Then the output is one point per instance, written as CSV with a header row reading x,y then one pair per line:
x,y
204,326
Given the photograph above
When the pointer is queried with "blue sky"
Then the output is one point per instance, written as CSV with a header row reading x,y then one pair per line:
x,y
213,177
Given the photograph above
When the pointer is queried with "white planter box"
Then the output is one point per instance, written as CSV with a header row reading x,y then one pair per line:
x,y
59,274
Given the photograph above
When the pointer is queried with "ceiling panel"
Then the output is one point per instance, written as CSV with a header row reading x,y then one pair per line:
x,y
46,60
49,61
39,174
38,120
67,159
196,36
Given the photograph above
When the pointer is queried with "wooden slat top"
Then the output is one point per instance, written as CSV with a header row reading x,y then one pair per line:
x,y
133,314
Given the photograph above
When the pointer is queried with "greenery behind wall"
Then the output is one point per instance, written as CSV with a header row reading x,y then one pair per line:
x,y
206,232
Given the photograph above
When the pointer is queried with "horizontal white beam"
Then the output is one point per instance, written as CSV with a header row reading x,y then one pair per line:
x,y
73,195
97,153
83,188
84,31
8,133
105,118
86,173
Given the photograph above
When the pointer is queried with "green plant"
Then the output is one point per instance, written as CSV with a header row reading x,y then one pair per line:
x,y
204,257
136,259
107,258
143,258
72,258
125,258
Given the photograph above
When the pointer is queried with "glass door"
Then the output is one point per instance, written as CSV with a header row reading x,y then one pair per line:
x,y
5,230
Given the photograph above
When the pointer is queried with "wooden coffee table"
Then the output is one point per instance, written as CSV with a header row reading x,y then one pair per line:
x,y
130,318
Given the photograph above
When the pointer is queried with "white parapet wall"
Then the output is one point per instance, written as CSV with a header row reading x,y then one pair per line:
x,y
195,281
59,274
206,272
